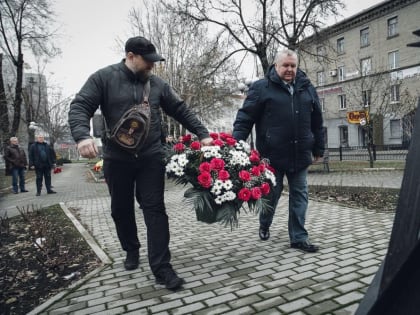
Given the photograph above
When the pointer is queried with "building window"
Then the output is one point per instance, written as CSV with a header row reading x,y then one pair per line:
x,y
395,127
366,97
341,73
364,37
340,46
322,103
342,101
366,66
394,59
395,93
321,53
393,26
320,78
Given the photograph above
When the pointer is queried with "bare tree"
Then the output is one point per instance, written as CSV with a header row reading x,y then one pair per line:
x,y
381,94
25,25
193,61
53,118
4,113
258,27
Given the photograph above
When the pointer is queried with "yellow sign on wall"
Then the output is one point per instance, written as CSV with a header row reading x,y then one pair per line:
x,y
357,117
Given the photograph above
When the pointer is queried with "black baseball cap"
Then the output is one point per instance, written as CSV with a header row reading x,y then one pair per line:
x,y
141,46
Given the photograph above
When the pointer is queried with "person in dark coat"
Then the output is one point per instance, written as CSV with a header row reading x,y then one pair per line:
x,y
285,109
140,174
42,158
16,163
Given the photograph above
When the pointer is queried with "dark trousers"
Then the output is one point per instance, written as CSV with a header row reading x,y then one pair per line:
x,y
144,180
18,178
43,172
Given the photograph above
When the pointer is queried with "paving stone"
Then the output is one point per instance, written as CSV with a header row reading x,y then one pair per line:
x,y
232,271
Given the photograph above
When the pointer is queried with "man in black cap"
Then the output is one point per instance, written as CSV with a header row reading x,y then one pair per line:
x,y
140,174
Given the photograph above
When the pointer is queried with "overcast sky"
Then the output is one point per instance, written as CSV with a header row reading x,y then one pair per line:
x,y
90,29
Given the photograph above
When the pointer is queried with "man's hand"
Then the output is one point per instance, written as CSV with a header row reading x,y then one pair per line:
x,y
206,141
87,148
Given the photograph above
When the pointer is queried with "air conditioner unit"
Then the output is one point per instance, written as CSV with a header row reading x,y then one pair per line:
x,y
333,73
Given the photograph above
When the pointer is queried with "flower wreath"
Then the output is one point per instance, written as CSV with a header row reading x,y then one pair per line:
x,y
224,177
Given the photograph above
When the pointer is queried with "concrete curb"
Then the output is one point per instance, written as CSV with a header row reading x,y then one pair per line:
x,y
106,261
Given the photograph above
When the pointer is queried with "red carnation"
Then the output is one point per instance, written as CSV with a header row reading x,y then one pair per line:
x,y
230,141
270,168
223,175
225,136
261,167
254,157
256,171
204,167
214,135
218,142
186,138
244,194
217,164
256,193
179,147
204,179
244,175
265,189
195,145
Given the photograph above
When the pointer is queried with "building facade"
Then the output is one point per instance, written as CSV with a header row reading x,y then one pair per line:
x,y
366,76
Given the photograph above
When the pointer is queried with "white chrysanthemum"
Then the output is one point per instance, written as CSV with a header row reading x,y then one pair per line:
x,y
243,146
173,167
229,196
269,174
211,151
218,200
227,184
239,158
182,160
217,187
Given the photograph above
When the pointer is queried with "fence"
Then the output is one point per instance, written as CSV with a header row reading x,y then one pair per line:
x,y
361,153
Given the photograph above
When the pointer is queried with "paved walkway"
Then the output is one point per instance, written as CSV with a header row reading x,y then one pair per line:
x,y
226,272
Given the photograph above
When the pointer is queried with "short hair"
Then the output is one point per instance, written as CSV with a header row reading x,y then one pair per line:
x,y
13,139
284,53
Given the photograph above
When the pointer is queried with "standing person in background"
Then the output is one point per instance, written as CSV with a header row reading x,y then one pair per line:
x,y
141,174
42,158
17,163
285,109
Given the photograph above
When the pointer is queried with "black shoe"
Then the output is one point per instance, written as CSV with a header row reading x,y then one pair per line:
x,y
51,192
38,194
24,190
306,246
264,234
169,278
132,260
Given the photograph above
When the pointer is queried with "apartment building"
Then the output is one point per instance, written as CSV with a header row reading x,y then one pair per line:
x,y
366,76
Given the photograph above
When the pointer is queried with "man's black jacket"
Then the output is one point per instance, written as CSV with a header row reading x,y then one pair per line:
x,y
288,127
115,89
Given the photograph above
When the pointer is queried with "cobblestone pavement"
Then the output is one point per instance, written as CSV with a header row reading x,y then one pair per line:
x,y
226,271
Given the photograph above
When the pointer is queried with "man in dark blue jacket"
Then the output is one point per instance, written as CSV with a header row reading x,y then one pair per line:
x,y
42,158
285,109
140,174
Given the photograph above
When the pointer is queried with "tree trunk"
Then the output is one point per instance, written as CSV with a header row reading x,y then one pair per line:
x,y
4,115
17,104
